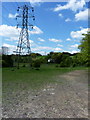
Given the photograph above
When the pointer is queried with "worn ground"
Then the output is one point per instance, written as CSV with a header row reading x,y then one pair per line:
x,y
67,98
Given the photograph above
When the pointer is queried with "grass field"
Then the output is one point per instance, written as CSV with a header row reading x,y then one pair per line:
x,y
25,78
34,93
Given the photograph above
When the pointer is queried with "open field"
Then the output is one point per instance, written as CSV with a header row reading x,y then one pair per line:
x,y
34,78
50,92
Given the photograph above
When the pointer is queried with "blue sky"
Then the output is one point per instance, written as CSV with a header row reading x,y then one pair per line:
x,y
58,26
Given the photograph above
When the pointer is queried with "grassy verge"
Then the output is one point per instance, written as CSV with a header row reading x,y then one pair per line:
x,y
25,78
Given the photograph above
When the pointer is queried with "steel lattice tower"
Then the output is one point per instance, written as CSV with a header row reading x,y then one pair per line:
x,y
24,14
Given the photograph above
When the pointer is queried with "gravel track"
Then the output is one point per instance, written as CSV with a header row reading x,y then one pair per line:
x,y
67,98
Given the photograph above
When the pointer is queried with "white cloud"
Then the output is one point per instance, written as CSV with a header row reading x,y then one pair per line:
x,y
13,47
41,52
55,40
38,48
78,34
12,16
32,43
35,2
59,45
60,15
72,51
44,49
10,47
57,49
13,34
68,20
36,30
41,40
9,31
74,46
68,39
82,15
12,39
73,5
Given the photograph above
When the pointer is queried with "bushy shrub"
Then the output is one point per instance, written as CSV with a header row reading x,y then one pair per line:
x,y
23,65
42,60
4,63
7,61
57,65
36,63
78,60
66,61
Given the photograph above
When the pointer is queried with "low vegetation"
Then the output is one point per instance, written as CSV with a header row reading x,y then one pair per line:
x,y
32,78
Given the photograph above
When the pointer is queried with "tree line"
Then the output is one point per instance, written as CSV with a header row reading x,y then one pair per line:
x,y
61,59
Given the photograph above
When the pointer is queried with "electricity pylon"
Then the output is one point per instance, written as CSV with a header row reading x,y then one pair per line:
x,y
25,12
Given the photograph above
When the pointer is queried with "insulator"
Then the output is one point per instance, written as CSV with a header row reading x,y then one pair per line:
x,y
33,18
17,9
32,10
17,26
32,27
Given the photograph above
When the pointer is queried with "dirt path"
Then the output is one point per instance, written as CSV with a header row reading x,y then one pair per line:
x,y
68,98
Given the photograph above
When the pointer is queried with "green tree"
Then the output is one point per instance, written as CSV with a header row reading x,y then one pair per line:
x,y
7,61
57,57
77,60
66,61
85,48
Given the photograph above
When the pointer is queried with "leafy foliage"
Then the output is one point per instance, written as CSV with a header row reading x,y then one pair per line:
x,y
85,49
36,63
7,61
66,61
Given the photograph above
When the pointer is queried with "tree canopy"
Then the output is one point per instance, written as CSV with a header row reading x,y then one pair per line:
x,y
85,48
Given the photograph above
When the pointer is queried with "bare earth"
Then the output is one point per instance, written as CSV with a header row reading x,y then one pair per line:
x,y
68,98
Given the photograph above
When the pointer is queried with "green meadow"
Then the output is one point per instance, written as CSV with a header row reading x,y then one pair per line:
x,y
26,78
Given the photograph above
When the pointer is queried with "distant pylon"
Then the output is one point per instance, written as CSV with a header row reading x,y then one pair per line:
x,y
25,12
